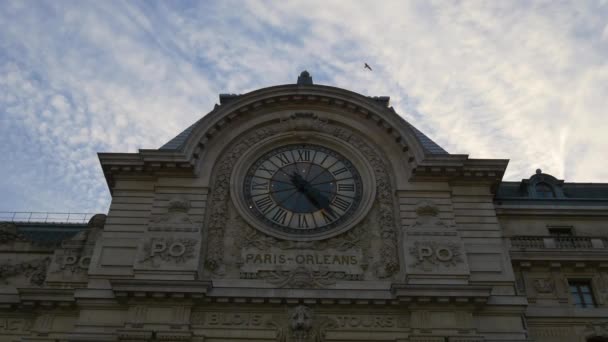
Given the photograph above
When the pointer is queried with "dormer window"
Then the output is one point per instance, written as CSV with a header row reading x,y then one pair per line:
x,y
544,190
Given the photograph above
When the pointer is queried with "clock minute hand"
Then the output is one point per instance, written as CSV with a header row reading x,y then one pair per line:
x,y
314,195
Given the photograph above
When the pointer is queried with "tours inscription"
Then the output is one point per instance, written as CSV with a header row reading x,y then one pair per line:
x,y
273,259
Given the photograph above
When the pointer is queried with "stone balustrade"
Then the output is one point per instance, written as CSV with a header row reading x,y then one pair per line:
x,y
558,242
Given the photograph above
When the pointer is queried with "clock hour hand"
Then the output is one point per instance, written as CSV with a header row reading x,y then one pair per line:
x,y
314,195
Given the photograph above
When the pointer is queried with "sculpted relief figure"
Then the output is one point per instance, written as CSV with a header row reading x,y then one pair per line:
x,y
300,322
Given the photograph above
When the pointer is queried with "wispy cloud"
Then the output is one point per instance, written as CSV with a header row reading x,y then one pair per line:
x,y
519,80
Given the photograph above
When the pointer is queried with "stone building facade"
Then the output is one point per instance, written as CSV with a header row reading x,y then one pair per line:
x,y
304,212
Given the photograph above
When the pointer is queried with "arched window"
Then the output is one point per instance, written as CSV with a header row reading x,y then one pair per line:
x,y
544,190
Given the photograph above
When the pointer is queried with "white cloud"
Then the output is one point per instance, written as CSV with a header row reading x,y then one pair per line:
x,y
525,81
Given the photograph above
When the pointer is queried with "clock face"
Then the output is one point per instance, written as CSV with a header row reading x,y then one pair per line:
x,y
302,189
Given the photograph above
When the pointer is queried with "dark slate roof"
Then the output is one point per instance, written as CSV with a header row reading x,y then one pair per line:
x,y
429,146
179,140
48,234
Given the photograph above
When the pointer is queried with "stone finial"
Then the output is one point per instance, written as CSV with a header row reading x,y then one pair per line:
x,y
305,78
539,171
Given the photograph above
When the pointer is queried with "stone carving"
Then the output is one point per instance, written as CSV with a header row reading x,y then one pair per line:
x,y
354,238
596,329
219,211
302,277
35,270
220,198
544,285
431,253
389,261
74,256
8,233
300,322
168,250
232,319
427,216
304,327
72,261
176,219
14,325
600,283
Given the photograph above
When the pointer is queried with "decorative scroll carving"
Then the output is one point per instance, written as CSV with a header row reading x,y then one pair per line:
x,y
220,198
35,270
544,285
354,238
176,219
389,260
302,277
168,250
434,253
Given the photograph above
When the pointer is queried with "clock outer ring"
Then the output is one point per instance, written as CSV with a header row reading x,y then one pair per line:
x,y
261,148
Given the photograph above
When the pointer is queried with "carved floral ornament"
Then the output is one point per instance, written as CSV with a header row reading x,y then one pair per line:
x,y
544,285
33,270
218,213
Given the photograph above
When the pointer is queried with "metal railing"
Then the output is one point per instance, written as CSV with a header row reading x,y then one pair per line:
x,y
44,217
527,242
559,242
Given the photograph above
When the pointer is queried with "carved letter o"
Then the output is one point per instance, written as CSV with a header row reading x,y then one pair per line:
x,y
84,262
177,249
444,254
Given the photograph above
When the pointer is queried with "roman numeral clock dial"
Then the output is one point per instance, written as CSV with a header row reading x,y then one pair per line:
x,y
302,189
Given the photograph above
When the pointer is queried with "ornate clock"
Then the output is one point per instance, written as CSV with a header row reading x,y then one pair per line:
x,y
302,189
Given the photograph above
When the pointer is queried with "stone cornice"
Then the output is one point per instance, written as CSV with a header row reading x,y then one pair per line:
x,y
459,294
459,168
124,288
29,298
146,162
529,208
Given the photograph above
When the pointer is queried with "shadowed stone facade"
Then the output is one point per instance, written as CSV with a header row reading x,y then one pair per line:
x,y
416,244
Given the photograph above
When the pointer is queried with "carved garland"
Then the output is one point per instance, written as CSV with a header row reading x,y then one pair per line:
x,y
389,262
35,270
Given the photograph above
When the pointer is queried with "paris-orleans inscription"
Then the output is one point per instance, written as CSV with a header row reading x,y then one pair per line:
x,y
332,260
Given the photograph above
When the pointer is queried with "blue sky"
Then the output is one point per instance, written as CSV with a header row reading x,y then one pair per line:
x,y
522,80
